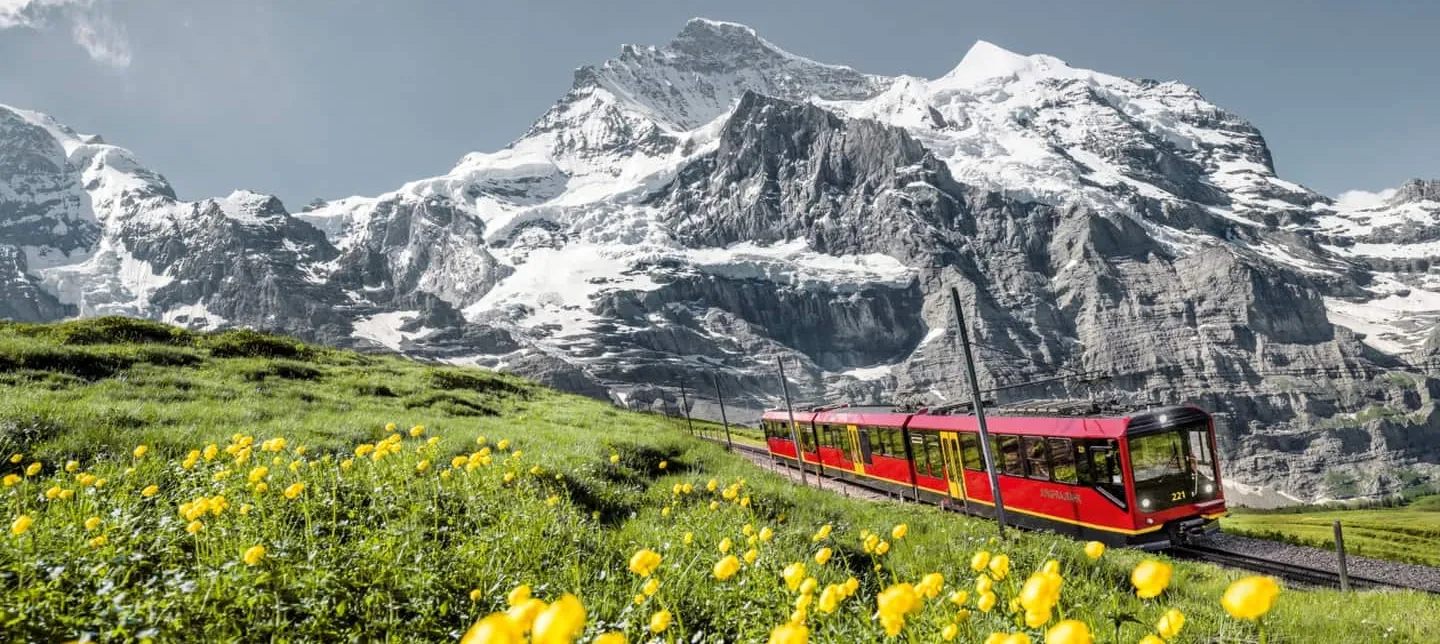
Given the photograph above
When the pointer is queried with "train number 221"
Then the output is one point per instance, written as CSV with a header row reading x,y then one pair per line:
x,y
1177,496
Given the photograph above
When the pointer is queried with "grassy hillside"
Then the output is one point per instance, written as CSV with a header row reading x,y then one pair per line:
x,y
150,497
1408,533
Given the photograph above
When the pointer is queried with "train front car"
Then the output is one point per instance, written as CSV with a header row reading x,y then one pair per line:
x,y
1172,475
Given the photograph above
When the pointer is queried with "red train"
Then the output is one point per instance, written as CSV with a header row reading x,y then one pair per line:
x,y
1147,479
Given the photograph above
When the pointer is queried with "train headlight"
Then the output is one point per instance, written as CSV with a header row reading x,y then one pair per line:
x,y
1145,503
1209,488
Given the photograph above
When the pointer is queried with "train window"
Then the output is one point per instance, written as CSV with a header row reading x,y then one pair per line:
x,y
934,455
1010,461
1104,468
970,453
807,438
917,448
889,443
1037,458
1062,456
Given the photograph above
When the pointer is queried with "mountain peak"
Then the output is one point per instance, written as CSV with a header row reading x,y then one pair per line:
x,y
986,61
1416,191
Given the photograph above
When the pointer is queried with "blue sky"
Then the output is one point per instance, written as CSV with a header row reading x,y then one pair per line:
x,y
323,98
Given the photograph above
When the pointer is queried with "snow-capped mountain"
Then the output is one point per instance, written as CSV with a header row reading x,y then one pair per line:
x,y
707,206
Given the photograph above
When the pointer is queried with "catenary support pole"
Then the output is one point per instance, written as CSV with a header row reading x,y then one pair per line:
x,y
685,407
1340,552
979,410
794,435
729,444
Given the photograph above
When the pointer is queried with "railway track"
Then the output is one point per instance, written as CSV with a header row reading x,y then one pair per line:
x,y
1299,575
1295,574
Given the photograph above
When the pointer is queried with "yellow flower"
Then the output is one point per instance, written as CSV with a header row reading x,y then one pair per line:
x,y
882,547
1170,623
983,583
1250,597
644,562
898,532
1151,639
664,464
808,586
294,490
830,598
790,633
504,444
898,600
97,541
949,632
476,595
766,533
611,638
11,479
687,488
211,451
689,538
495,628
986,601
930,585
16,458
660,621
33,469
560,622
1040,592
822,534
71,466
524,613
150,490
959,597
1093,549
417,430
651,586
823,556
262,487
794,574
1150,578
552,500
389,427
140,450
1000,566
1070,631
517,594
53,492
195,526
725,544
1036,619
21,524
245,509
422,465
92,523
253,555
751,555
614,459
892,624
979,561
665,511
726,568
712,485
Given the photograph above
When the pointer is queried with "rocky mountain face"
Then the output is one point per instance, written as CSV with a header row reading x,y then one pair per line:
x,y
689,214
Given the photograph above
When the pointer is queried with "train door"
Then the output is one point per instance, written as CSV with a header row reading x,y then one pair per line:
x,y
954,476
852,434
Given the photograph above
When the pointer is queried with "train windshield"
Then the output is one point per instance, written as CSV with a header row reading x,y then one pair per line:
x,y
1173,468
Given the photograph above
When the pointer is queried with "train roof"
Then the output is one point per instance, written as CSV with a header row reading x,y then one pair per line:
x,y
1051,418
